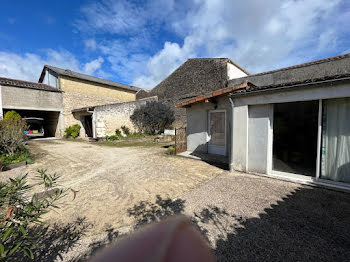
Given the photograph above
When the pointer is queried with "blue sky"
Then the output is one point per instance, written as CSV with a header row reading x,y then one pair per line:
x,y
141,42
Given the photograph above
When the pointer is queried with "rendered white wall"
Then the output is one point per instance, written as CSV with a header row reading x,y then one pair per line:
x,y
260,117
197,124
240,138
234,72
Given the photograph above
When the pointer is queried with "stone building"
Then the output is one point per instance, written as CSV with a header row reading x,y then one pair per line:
x,y
195,76
109,117
57,96
80,90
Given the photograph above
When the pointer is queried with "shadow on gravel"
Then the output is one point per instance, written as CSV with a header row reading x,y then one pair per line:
x,y
310,224
307,225
52,242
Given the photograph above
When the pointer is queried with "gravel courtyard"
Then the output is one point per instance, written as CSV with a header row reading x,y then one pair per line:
x,y
244,217
110,179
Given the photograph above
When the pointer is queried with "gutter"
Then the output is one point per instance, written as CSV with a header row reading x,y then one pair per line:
x,y
287,87
231,133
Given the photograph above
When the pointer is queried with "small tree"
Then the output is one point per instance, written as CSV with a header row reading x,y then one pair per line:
x,y
11,133
153,117
19,212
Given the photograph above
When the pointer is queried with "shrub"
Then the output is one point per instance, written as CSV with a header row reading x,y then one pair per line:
x,y
126,130
118,132
11,133
20,212
12,115
153,117
22,154
112,138
72,131
171,150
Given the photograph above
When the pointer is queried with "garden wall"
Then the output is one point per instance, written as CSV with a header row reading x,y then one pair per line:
x,y
108,118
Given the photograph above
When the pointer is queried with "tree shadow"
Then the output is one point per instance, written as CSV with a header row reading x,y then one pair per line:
x,y
111,236
310,224
51,242
306,225
146,212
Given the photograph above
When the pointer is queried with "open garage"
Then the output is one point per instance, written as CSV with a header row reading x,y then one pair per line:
x,y
39,103
49,120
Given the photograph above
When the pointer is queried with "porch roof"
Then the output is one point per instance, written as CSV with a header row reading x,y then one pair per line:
x,y
215,93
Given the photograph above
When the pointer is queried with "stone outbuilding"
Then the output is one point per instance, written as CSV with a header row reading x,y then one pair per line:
x,y
195,76
80,90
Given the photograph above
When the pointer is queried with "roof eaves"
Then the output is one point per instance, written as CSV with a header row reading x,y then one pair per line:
x,y
320,61
27,84
213,94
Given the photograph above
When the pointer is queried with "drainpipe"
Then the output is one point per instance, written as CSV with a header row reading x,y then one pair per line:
x,y
232,125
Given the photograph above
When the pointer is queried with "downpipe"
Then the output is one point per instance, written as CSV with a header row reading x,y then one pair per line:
x,y
231,133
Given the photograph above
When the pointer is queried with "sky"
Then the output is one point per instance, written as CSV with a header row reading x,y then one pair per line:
x,y
141,42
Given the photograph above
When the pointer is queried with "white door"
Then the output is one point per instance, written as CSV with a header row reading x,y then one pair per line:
x,y
217,132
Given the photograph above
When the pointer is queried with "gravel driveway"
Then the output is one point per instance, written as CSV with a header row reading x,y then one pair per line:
x,y
110,180
244,217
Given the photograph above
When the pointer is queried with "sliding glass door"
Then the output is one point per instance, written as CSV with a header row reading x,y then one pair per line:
x,y
335,154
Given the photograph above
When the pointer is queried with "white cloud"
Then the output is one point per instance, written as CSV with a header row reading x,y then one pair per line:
x,y
258,35
90,44
29,66
91,67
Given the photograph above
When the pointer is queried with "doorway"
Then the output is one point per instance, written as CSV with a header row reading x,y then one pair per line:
x,y
217,132
87,123
295,127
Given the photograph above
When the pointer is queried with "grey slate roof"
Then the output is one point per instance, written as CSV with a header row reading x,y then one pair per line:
x,y
69,73
328,69
26,84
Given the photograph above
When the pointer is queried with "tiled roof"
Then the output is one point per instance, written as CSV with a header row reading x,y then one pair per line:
x,y
328,59
26,84
66,72
216,93
255,88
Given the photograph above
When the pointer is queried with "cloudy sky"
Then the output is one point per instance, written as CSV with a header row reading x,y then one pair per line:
x,y
141,42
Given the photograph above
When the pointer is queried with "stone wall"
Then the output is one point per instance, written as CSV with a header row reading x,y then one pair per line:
x,y
81,93
108,118
194,77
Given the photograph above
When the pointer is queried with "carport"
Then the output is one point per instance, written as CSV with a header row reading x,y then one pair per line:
x,y
50,122
34,100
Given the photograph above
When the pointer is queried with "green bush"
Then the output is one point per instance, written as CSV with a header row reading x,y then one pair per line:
x,y
12,115
72,131
112,138
22,154
153,117
11,133
118,132
126,130
19,212
171,150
